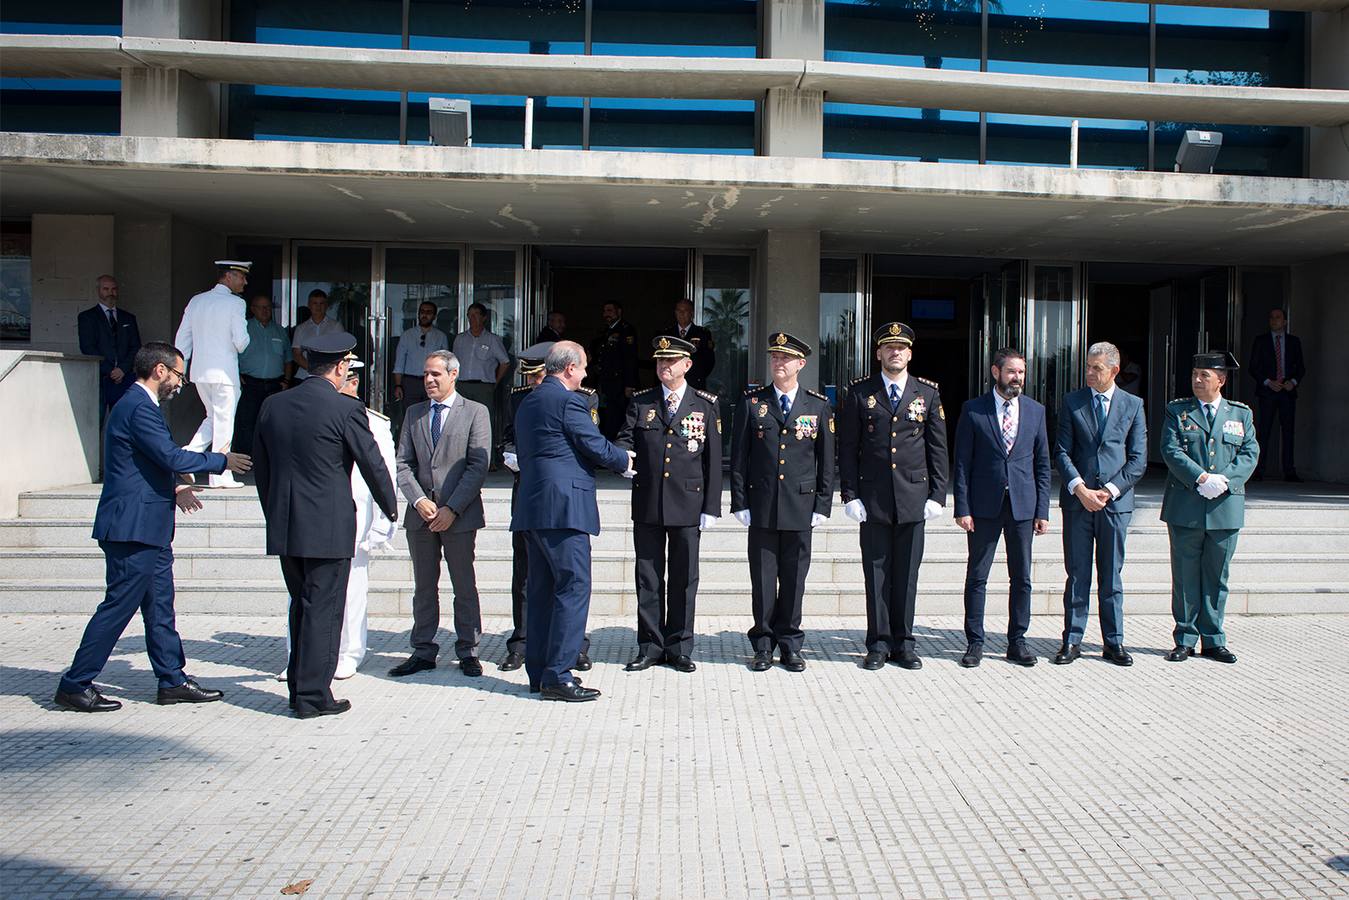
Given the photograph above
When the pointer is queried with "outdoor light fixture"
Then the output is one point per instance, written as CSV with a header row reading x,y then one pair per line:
x,y
451,122
1198,151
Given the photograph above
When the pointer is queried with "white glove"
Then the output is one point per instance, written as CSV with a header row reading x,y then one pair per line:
x,y
817,519
630,471
511,461
743,516
854,510
705,521
931,510
1212,488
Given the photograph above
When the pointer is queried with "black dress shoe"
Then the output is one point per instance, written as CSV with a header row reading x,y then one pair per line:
x,y
512,662
534,688
974,654
1179,653
874,660
682,664
570,692
471,666
1018,654
583,663
792,661
87,700
336,708
762,662
1114,653
906,659
187,692
411,666
1221,654
1067,653
641,663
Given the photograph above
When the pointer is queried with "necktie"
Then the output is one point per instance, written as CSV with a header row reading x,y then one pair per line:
x,y
671,404
786,405
1210,410
1278,357
1100,412
112,319
894,398
683,332
436,423
1008,431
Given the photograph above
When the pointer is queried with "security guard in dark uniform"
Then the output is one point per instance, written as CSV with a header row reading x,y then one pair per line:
x,y
675,432
613,355
782,486
892,477
704,347
1209,446
531,368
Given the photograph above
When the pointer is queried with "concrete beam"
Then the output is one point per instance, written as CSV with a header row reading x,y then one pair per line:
x,y
619,76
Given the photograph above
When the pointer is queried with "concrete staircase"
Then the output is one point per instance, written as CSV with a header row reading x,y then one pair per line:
x,y
1293,556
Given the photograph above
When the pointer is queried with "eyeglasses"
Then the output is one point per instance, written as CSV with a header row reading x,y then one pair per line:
x,y
422,340
182,376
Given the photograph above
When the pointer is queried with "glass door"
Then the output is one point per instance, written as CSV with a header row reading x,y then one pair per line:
x,y
1054,319
344,273
841,323
723,293
410,277
496,281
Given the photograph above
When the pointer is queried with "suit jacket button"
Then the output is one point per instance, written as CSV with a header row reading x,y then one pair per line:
x,y
780,477
668,446
894,449
894,466
666,475
894,434
667,459
782,446
782,462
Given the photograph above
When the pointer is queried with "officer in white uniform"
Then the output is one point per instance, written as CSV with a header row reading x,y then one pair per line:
x,y
211,336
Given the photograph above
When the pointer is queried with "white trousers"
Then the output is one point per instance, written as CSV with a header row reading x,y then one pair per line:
x,y
352,645
217,429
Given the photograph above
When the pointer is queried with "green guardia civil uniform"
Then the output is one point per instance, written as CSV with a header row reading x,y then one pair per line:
x,y
1204,532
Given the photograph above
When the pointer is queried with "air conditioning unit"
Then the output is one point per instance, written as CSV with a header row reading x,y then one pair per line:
x,y
451,122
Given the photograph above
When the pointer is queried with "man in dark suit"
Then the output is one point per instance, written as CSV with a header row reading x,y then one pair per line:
x,y
559,448
443,453
782,486
531,367
1101,451
704,348
614,351
110,334
1276,365
306,442
134,529
1001,487
676,433
892,474
554,330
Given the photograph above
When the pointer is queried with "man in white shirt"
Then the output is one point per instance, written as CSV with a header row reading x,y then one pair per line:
x,y
316,325
484,362
415,344
212,335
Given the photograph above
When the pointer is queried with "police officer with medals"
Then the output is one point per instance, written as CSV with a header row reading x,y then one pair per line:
x,y
531,369
782,486
675,431
892,477
1209,446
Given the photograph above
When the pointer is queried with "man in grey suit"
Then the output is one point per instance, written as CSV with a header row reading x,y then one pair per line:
x,y
442,462
1101,451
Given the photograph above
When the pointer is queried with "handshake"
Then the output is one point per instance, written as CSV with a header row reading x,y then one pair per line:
x,y
1212,487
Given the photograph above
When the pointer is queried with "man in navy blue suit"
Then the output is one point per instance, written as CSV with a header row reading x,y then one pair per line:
x,y
134,529
1101,451
110,334
558,445
1001,486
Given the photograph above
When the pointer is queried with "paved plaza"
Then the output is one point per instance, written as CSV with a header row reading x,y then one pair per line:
x,y
1164,780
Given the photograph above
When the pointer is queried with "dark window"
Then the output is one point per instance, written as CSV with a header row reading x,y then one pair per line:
x,y
895,132
61,105
936,34
498,26
679,126
1072,38
675,28
16,281
1047,141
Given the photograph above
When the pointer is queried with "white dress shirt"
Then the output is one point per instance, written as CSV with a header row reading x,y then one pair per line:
x,y
679,394
153,396
1109,396
790,395
410,358
479,355
308,330
900,383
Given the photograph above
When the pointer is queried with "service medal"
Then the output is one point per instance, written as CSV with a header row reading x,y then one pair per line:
x,y
763,409
651,415
693,446
871,403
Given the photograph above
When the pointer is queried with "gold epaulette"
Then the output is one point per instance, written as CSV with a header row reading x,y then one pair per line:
x,y
706,395
859,380
817,394
588,391
644,393
927,381
750,392
378,413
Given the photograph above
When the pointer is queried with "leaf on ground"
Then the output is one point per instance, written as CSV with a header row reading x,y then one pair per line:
x,y
298,887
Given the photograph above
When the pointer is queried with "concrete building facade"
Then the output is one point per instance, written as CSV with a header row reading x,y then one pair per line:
x,y
991,172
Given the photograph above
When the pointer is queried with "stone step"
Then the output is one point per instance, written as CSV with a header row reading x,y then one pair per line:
x,y
716,566
267,597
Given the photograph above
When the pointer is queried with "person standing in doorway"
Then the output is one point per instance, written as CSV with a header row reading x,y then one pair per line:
x,y
211,336
704,348
112,335
614,351
317,325
1100,450
483,363
1001,488
264,368
1277,367
414,346
554,330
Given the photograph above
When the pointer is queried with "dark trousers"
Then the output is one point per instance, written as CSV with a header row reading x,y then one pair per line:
x,y
1281,406
613,411
457,548
251,395
139,577
109,392
891,555
982,542
1199,563
1104,533
318,599
665,608
778,564
558,603
516,642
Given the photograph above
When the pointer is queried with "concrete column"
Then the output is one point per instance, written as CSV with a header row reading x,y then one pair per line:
x,y
1320,317
168,102
69,253
787,299
144,245
1329,68
792,121
793,29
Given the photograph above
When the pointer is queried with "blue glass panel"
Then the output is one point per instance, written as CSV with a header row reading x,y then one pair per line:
x,y
1248,48
351,23
678,126
936,34
1069,38
61,105
858,131
499,121
1046,141
718,28
66,17
498,26
267,113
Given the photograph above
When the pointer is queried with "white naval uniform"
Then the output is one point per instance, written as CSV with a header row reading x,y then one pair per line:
x,y
211,337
